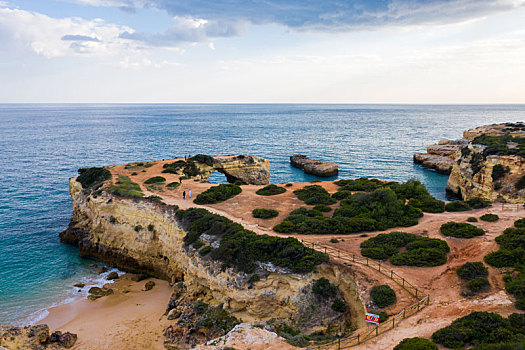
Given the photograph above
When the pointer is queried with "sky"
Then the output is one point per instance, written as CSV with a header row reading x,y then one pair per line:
x,y
262,51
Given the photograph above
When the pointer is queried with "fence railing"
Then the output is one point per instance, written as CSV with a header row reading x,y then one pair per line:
x,y
344,343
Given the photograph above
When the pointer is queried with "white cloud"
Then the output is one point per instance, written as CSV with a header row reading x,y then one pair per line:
x,y
45,35
136,64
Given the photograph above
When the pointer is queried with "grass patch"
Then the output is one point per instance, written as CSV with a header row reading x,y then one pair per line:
x,y
270,190
218,194
241,248
420,251
264,213
489,217
461,230
124,187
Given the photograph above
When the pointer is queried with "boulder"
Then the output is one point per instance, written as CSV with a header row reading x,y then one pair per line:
x,y
102,269
138,277
112,276
97,292
39,332
313,166
149,285
79,285
66,340
440,156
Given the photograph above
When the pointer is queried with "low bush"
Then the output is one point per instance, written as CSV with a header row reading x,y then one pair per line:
x,y
190,169
242,249
489,217
481,330
416,344
270,190
288,185
420,251
313,195
172,185
472,219
124,187
155,180
254,278
334,240
198,245
457,206
89,177
521,183
383,296
361,184
323,289
461,230
205,250
519,223
298,340
339,305
323,208
478,203
217,194
155,199
472,270
264,213
498,172
383,316
478,284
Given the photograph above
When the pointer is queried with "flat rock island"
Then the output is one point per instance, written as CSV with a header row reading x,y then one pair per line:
x,y
313,166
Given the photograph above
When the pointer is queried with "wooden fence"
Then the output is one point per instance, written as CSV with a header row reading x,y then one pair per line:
x,y
344,343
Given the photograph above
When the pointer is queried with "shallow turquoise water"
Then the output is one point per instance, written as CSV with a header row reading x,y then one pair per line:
x,y
41,146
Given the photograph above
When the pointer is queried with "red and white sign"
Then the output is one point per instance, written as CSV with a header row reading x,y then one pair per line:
x,y
372,318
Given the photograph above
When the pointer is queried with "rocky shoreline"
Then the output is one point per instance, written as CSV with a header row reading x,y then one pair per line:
x,y
315,167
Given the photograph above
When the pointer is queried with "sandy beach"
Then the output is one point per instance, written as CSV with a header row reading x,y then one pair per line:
x,y
124,320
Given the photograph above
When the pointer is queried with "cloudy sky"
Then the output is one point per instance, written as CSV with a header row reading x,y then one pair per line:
x,y
352,51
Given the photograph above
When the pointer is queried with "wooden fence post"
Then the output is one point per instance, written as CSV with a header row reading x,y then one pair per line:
x,y
377,331
379,267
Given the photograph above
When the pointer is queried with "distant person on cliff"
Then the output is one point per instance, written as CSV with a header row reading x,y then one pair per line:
x,y
184,195
189,193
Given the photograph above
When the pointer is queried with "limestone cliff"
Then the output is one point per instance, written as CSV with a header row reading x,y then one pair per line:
x,y
141,236
440,156
472,176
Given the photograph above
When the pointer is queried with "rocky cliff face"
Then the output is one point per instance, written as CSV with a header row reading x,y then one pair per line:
x,y
250,170
314,166
472,176
141,236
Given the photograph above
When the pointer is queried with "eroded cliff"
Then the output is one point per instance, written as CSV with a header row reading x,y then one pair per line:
x,y
143,236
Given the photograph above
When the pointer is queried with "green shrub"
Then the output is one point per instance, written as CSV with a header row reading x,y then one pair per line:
x,y
217,194
288,185
190,169
124,187
270,190
416,344
172,185
205,250
112,219
520,223
517,322
298,340
284,227
361,184
323,208
197,245
313,195
155,199
489,217
323,289
498,172
241,248
478,284
155,180
472,270
472,219
334,240
383,296
501,258
383,316
202,158
498,145
89,177
134,174
461,230
265,213
457,206
478,203
339,305
428,204
254,278
521,183
138,228
479,329
420,257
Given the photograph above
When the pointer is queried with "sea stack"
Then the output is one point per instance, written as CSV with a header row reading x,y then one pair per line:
x,y
314,166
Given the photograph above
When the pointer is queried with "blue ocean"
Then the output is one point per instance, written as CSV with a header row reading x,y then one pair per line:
x,y
41,146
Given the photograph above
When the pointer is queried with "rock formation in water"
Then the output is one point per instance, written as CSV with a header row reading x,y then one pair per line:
x,y
314,166
248,170
489,163
440,156
142,236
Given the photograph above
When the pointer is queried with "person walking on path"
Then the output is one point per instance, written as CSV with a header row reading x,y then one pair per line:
x,y
189,193
184,195
180,179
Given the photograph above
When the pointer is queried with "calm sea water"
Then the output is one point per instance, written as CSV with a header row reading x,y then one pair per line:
x,y
41,146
